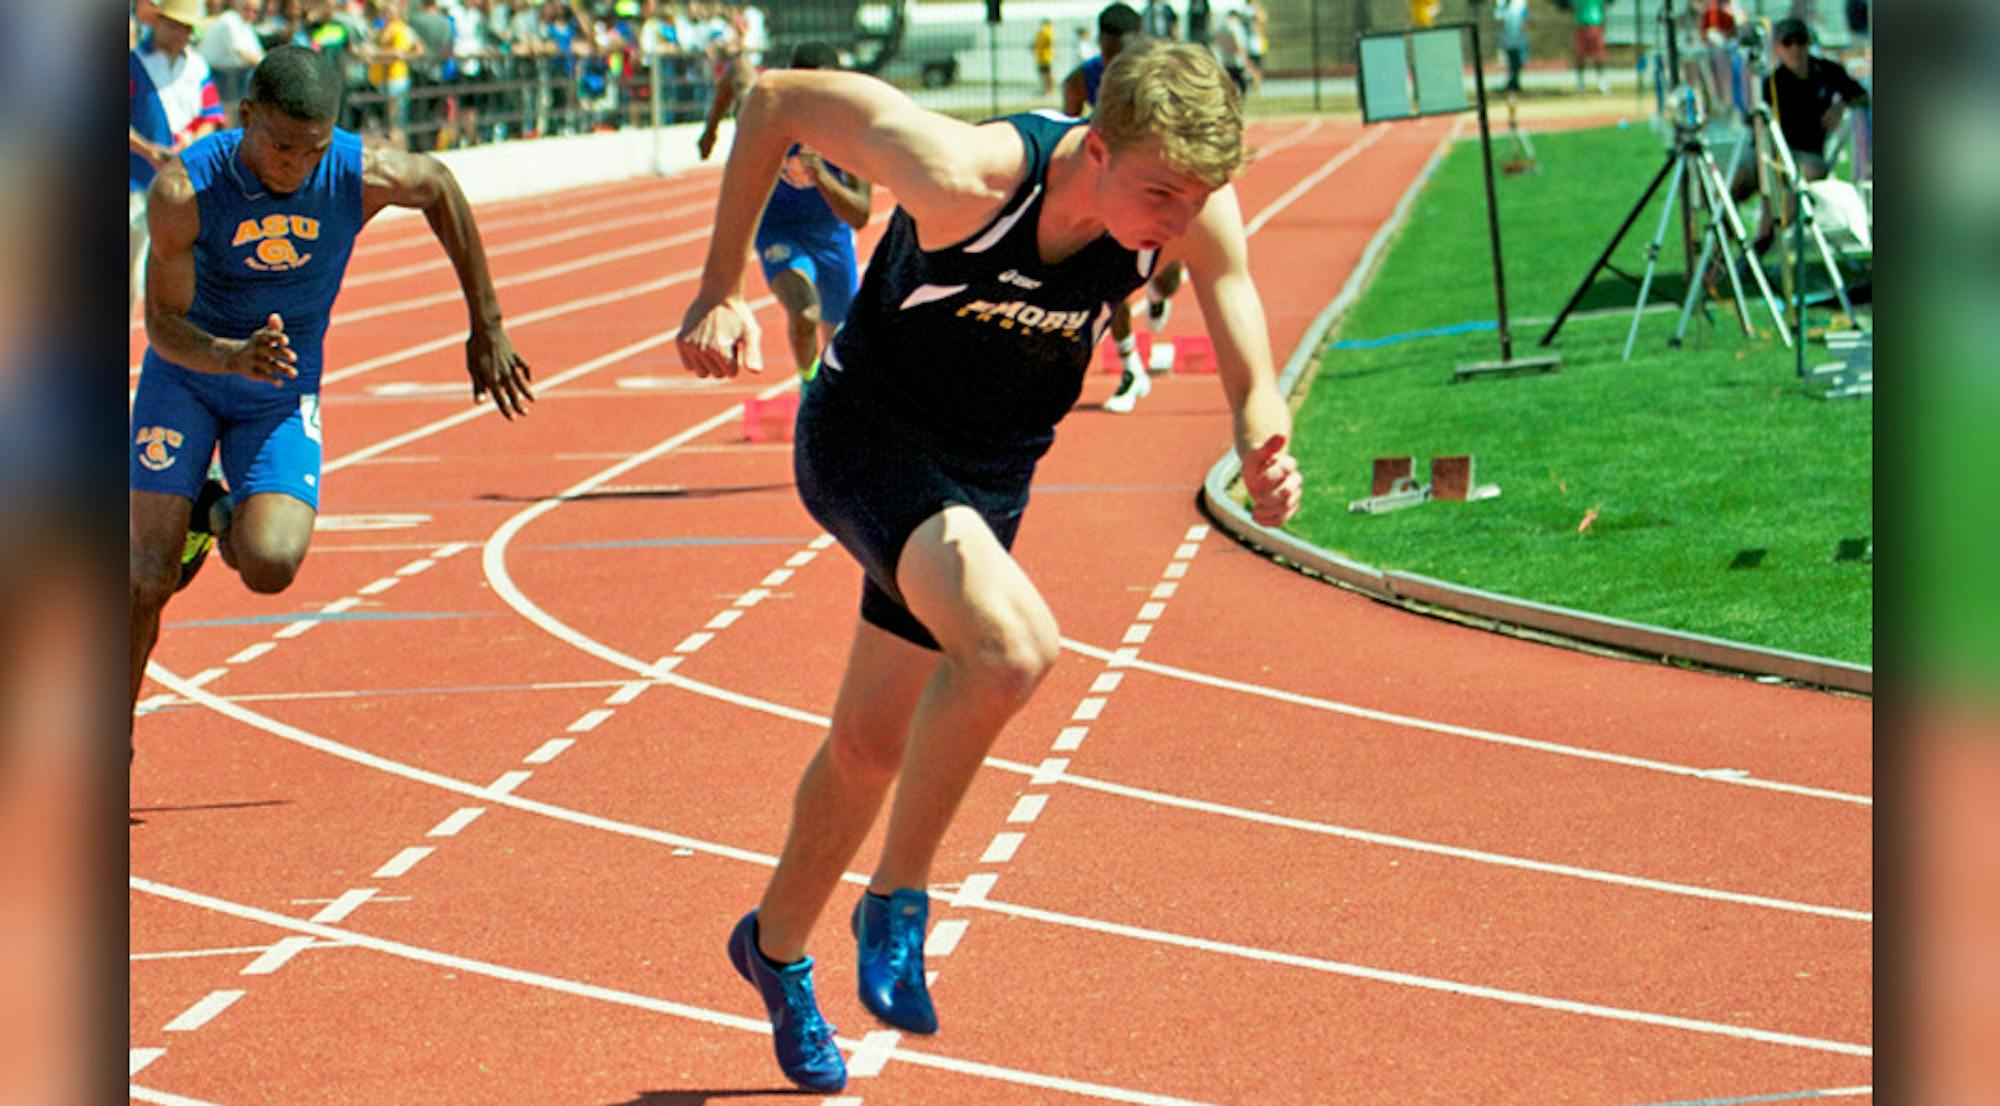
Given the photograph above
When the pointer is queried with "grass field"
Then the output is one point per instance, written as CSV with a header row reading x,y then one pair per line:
x,y
1704,489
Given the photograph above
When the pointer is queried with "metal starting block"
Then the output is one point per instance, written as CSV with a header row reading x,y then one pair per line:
x,y
1394,486
1852,375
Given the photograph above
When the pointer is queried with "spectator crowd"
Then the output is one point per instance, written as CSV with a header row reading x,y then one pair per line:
x,y
434,74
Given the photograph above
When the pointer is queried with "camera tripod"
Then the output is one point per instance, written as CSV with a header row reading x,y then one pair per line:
x,y
1688,164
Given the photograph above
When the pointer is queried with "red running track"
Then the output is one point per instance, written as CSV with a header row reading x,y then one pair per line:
x,y
466,815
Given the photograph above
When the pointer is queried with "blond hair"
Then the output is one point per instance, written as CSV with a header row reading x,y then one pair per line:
x,y
1174,96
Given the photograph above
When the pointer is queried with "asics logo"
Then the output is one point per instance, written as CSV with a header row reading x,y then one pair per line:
x,y
1017,280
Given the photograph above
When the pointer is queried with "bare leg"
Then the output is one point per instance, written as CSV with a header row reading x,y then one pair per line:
x,y
999,640
801,303
266,540
843,786
159,523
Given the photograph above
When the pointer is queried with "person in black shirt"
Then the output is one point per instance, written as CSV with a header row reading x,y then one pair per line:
x,y
1807,97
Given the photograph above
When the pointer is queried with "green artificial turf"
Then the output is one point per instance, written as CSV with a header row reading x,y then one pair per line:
x,y
1723,496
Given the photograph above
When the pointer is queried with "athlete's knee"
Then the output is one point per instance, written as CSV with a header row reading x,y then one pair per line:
x,y
868,758
1008,665
267,570
154,576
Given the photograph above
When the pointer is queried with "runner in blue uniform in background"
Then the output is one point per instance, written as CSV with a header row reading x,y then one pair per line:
x,y
251,232
916,442
805,240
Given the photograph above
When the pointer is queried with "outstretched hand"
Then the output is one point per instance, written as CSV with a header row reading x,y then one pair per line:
x,y
498,371
266,355
705,143
1271,475
720,338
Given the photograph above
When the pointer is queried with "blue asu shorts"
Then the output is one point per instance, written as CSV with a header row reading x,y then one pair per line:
x,y
827,260
871,484
270,443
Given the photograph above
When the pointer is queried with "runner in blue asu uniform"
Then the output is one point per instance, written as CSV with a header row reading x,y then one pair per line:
x,y
916,442
251,232
805,240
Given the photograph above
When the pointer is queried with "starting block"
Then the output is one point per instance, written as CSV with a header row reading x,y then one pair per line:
x,y
1852,375
1394,485
770,420
1179,355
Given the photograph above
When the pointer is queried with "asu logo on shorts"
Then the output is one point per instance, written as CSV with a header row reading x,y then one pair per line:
x,y
275,249
156,445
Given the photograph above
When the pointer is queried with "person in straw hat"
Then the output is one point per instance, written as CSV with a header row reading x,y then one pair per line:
x,y
174,102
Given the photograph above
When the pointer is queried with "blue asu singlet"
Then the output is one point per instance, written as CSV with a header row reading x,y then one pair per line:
x,y
980,348
260,253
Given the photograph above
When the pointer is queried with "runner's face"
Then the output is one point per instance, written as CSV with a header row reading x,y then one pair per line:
x,y
283,150
1145,203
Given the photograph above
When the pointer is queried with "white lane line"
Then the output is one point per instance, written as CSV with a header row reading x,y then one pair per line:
x,y
1187,551
1411,844
1070,739
1106,683
801,559
590,721
141,1057
1196,532
251,652
1176,570
1027,808
777,578
201,1013
1410,722
972,892
550,750
377,587
347,903
1137,634
200,954
1088,709
1164,591
206,675
278,955
1049,771
872,1053
694,641
1312,180
975,888
164,1098
945,936
294,629
1003,847
1054,768
1151,612
457,820
627,692
753,597
507,782
724,619
649,1003
416,566
402,862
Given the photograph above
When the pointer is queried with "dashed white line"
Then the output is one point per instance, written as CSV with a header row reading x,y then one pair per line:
x,y
724,619
1050,770
1151,612
694,641
201,1013
800,559
251,652
945,936
377,587
1186,551
550,750
347,903
872,1053
458,820
1070,739
975,888
1137,634
753,597
777,578
1106,683
403,861
508,781
1087,710
278,955
590,721
294,629
627,692
415,567
1176,570
143,1056
206,675
1027,808
1164,591
1003,847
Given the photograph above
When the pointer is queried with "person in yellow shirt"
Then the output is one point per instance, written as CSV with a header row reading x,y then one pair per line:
x,y
1045,55
389,67
1423,13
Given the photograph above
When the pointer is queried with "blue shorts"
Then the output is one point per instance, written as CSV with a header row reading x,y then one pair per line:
x,y
872,485
827,260
269,444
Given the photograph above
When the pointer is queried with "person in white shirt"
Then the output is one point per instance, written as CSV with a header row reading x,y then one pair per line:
x,y
232,49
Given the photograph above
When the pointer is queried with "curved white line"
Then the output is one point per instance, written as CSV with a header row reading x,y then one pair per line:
x,y
1709,774
632,999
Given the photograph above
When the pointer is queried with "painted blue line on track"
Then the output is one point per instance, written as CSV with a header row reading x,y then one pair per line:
x,y
1792,1096
1413,335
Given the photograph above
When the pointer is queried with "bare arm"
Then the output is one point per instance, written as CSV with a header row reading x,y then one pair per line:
x,y
174,219
147,148
1075,95
394,178
849,196
1218,265
949,175
737,78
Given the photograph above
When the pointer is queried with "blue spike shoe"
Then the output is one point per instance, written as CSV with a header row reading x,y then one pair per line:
x,y
802,1039
890,933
